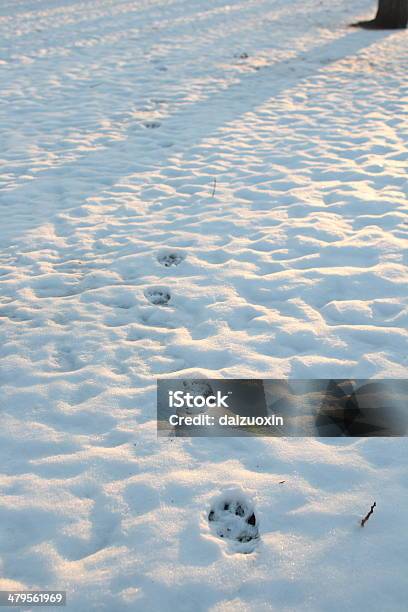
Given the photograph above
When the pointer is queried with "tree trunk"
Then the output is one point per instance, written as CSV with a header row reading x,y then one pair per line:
x,y
391,15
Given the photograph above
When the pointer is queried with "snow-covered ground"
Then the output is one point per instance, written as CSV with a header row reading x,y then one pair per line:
x,y
259,147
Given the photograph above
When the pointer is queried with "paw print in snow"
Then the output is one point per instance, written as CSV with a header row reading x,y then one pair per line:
x,y
158,296
232,517
170,259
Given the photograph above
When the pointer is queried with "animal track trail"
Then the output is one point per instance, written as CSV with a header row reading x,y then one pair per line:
x,y
161,296
232,517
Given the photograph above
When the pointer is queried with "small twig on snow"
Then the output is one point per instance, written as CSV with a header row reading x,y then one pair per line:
x,y
367,516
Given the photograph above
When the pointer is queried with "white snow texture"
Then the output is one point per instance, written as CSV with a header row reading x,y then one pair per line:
x,y
196,189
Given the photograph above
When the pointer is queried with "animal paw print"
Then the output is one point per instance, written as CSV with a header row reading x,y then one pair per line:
x,y
232,517
170,259
158,296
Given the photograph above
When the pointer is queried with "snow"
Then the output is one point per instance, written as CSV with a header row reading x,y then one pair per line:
x,y
198,189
